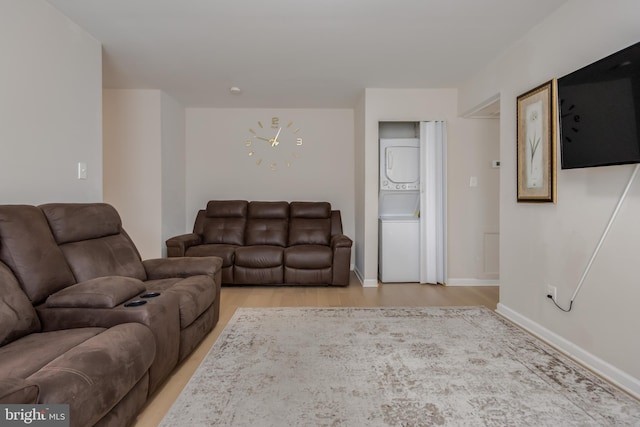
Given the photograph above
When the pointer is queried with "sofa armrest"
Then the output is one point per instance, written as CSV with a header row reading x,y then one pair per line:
x,y
163,268
101,292
178,245
18,391
341,247
340,241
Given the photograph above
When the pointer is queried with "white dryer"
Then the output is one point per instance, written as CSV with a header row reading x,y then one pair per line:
x,y
399,164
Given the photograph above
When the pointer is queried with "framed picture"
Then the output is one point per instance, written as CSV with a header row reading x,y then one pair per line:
x,y
537,144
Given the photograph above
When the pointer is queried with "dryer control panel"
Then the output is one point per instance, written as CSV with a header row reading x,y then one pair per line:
x,y
386,185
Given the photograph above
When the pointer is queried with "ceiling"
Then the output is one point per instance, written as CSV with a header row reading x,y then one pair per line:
x,y
298,53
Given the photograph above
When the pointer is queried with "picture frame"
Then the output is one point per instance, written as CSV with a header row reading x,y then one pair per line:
x,y
536,144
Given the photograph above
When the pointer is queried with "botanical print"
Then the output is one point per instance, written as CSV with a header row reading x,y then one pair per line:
x,y
536,138
533,149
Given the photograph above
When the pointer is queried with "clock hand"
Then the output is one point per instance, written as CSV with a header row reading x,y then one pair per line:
x,y
275,141
264,139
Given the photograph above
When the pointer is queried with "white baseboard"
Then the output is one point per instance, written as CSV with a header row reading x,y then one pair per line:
x,y
366,283
623,380
358,274
370,283
472,282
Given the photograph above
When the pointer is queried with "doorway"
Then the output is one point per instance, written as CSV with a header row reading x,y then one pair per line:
x,y
480,198
412,202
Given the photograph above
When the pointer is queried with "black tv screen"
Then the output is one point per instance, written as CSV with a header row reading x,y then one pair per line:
x,y
599,108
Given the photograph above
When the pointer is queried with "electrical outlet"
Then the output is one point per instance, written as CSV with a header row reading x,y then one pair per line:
x,y
553,291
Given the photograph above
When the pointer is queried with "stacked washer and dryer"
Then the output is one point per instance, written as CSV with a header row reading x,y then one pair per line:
x,y
399,210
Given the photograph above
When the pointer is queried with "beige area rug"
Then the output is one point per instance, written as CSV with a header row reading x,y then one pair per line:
x,y
456,366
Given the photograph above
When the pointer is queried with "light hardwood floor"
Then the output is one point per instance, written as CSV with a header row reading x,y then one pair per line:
x,y
354,295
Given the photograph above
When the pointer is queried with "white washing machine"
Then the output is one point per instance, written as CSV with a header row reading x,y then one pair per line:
x,y
399,252
399,236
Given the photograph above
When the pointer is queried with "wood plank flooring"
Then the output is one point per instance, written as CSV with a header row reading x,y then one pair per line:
x,y
354,295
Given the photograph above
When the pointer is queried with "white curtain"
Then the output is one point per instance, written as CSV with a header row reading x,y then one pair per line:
x,y
433,202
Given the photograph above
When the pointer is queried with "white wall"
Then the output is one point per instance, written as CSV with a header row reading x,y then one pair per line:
x,y
473,219
50,106
466,138
219,166
552,243
173,169
132,164
360,182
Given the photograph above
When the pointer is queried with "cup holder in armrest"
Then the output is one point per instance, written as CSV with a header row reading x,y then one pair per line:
x,y
135,303
150,295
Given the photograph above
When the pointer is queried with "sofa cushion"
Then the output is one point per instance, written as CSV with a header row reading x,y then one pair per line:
x,y
307,276
107,256
41,348
308,257
267,223
225,222
268,210
29,249
227,209
72,222
17,316
259,256
101,292
95,375
99,246
309,223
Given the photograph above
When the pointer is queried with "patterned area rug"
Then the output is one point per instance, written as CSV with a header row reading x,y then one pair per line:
x,y
455,366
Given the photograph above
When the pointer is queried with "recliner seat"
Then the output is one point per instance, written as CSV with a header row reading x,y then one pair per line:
x,y
270,243
78,268
94,244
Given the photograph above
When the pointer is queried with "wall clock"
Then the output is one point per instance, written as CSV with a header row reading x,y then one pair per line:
x,y
274,144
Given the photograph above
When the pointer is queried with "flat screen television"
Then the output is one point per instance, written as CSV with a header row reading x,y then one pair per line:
x,y
599,108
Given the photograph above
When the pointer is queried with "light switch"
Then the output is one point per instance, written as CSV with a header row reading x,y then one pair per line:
x,y
473,181
82,170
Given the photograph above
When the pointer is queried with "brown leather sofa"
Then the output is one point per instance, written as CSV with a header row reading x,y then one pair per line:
x,y
101,328
263,243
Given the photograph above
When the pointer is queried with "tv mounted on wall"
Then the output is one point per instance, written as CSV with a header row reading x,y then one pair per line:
x,y
599,108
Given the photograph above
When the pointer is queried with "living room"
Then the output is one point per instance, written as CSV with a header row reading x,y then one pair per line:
x,y
55,114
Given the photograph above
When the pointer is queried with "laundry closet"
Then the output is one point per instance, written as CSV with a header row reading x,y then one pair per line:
x,y
411,202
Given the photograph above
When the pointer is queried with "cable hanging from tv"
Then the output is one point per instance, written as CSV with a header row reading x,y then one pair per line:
x,y
600,242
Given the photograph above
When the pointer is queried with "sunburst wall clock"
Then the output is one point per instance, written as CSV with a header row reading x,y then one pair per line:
x,y
275,144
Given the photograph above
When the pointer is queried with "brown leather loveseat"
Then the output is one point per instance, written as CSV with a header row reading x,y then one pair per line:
x,y
85,321
261,243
